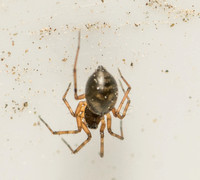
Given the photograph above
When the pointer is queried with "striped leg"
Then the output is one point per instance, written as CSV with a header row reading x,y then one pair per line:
x,y
77,97
116,113
110,130
103,125
66,102
84,142
80,108
78,120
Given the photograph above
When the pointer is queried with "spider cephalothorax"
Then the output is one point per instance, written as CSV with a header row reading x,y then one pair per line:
x,y
92,119
101,95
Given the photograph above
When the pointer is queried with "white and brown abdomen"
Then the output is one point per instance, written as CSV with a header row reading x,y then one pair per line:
x,y
101,92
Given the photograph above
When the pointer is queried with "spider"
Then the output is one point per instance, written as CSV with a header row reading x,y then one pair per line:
x,y
101,94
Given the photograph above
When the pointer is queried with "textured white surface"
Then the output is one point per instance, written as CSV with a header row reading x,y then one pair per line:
x,y
162,126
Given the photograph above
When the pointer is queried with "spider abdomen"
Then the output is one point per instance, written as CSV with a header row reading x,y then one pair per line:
x,y
101,91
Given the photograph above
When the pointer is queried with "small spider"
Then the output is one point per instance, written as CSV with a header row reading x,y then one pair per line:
x,y
101,95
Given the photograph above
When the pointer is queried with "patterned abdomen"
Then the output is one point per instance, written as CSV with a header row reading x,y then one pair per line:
x,y
101,91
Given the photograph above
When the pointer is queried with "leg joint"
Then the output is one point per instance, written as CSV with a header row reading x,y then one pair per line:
x,y
89,136
110,131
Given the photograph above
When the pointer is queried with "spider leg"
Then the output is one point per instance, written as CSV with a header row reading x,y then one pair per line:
x,y
76,96
66,102
84,142
80,108
103,125
110,130
116,113
123,89
78,119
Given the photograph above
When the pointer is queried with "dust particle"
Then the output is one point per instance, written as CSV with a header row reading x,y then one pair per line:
x,y
64,59
172,25
154,120
25,104
131,64
132,155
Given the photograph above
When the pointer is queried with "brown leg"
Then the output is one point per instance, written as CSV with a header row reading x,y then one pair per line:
x,y
84,142
65,101
103,125
79,124
75,79
109,128
116,113
79,108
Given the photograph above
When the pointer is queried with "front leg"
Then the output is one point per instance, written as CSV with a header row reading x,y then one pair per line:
x,y
74,71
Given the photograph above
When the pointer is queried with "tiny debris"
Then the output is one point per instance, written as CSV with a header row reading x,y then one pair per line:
x,y
36,123
136,25
166,71
13,43
64,59
131,64
154,120
6,105
26,104
172,25
26,50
